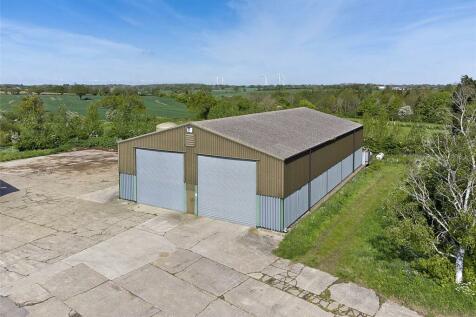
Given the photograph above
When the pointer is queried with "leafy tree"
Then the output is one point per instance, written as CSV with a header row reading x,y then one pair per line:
x,y
465,90
201,103
435,108
92,123
223,108
80,90
306,103
443,188
127,114
347,101
38,90
30,124
62,126
369,106
395,102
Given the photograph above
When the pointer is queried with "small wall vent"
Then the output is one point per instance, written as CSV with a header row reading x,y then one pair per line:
x,y
190,140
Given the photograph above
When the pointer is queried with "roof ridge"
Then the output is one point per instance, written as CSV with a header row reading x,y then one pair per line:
x,y
256,114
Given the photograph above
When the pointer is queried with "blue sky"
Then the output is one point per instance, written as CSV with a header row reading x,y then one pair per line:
x,y
177,41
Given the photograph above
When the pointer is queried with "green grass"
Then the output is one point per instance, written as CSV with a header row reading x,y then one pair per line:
x,y
10,154
343,237
166,107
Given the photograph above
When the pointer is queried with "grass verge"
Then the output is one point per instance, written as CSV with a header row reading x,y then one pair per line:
x,y
10,154
343,237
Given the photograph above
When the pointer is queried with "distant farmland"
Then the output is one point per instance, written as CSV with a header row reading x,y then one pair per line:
x,y
160,106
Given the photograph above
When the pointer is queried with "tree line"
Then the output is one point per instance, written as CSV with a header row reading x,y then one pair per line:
x,y
29,126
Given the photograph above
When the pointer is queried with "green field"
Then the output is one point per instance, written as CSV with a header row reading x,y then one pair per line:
x,y
160,106
345,237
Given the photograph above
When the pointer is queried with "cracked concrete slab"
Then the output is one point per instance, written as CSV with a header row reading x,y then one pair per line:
x,y
263,300
391,309
314,281
37,277
9,309
30,295
164,222
6,222
48,308
357,297
66,213
212,277
176,261
101,196
165,291
245,250
26,232
192,232
110,300
288,265
73,281
219,308
8,243
123,253
8,277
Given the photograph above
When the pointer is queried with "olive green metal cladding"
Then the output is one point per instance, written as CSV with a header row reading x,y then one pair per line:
x,y
278,176
269,169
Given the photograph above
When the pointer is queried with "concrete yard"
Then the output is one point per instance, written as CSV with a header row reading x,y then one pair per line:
x,y
70,247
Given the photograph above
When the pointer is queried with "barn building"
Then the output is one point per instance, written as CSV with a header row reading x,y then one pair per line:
x,y
262,170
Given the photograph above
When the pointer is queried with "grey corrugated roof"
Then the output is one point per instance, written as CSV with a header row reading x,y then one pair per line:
x,y
282,133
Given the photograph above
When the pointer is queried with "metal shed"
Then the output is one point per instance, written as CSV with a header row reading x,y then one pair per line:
x,y
264,170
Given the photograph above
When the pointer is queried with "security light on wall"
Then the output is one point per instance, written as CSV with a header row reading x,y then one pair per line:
x,y
189,129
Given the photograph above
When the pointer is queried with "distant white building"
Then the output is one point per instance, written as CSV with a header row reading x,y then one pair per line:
x,y
398,88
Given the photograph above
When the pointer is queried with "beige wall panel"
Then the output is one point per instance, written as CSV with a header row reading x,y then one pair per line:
x,y
170,140
296,174
358,139
270,170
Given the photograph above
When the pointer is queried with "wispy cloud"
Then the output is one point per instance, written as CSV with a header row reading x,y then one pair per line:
x,y
306,41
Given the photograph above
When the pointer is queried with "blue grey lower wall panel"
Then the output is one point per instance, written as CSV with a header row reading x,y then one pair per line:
x,y
270,212
127,186
295,205
334,176
318,188
357,158
347,166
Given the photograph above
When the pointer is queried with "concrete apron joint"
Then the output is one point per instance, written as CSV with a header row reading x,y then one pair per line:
x,y
322,302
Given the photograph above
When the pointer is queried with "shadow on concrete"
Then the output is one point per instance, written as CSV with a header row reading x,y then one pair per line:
x,y
6,188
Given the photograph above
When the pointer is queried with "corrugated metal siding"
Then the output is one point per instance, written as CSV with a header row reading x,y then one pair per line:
x,y
344,147
295,205
357,158
127,186
334,176
318,188
347,166
358,138
160,178
270,212
168,140
270,170
296,174
190,166
227,189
